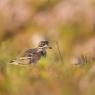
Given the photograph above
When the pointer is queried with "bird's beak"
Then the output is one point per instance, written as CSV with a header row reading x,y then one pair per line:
x,y
47,46
50,47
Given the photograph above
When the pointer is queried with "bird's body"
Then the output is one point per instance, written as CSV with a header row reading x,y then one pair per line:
x,y
32,55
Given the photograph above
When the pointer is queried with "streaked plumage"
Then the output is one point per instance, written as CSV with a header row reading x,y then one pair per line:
x,y
33,55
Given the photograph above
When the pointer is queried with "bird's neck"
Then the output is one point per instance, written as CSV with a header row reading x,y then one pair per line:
x,y
42,51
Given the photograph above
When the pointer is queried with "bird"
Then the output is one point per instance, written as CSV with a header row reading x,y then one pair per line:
x,y
33,55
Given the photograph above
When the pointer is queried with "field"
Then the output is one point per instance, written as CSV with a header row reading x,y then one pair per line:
x,y
69,26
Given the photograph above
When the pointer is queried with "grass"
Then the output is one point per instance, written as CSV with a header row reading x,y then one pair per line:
x,y
43,79
50,76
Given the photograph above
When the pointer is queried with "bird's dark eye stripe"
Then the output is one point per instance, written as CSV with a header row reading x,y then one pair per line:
x,y
42,44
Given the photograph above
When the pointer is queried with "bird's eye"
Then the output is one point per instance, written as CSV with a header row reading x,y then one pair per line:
x,y
47,42
43,43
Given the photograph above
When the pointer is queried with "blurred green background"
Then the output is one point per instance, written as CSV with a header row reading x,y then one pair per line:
x,y
70,27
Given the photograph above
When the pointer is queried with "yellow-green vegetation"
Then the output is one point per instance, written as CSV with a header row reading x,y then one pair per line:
x,y
70,28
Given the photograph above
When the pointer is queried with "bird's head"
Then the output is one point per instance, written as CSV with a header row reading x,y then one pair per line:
x,y
44,45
